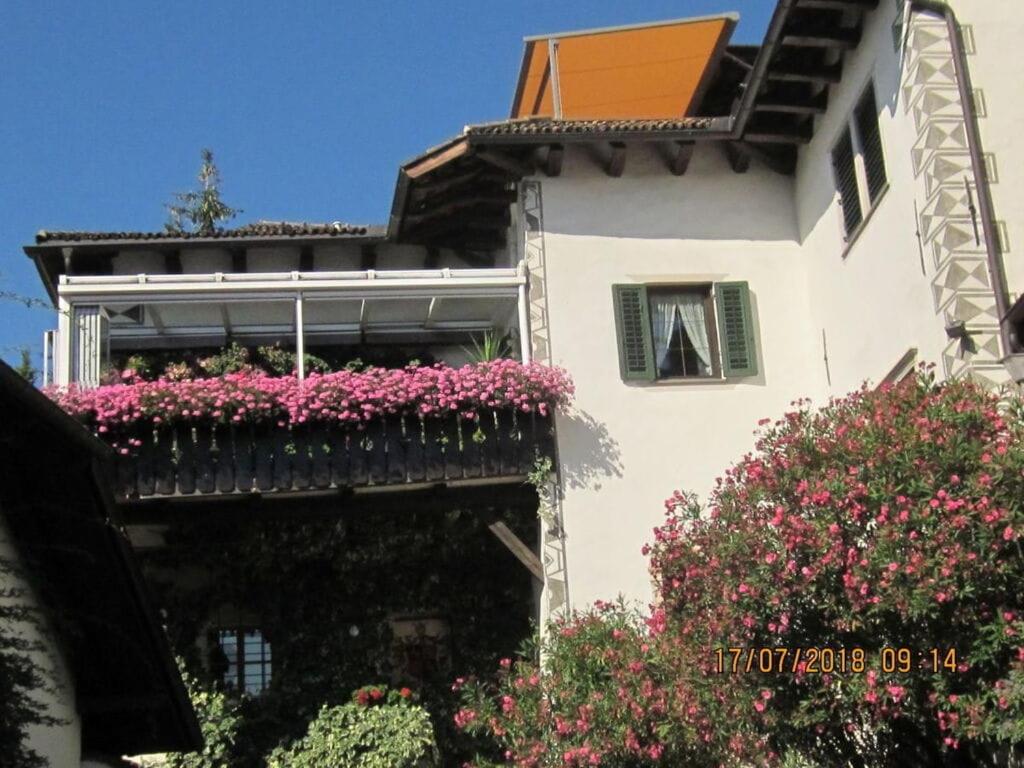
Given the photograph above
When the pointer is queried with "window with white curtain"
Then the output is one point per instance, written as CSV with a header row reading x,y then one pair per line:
x,y
682,332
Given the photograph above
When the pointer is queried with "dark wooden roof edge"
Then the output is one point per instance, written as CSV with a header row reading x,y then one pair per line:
x,y
189,731
117,555
684,129
50,414
755,79
153,240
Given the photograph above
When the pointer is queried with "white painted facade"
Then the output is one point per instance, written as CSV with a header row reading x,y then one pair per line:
x,y
829,314
865,304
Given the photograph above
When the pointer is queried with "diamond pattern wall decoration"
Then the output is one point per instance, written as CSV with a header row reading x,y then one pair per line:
x,y
941,160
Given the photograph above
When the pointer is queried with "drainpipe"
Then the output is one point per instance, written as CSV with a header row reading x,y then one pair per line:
x,y
996,269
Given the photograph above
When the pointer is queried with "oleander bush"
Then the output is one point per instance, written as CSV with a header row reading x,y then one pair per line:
x,y
605,695
885,527
887,524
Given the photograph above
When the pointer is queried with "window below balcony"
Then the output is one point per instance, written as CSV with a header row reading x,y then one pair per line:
x,y
248,659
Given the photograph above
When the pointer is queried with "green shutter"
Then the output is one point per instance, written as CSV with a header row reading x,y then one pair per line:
x,y
633,325
844,169
736,329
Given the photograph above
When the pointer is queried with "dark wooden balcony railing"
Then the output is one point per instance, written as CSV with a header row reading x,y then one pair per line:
x,y
186,460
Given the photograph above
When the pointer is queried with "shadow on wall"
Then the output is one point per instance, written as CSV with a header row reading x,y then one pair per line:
x,y
595,453
702,205
817,189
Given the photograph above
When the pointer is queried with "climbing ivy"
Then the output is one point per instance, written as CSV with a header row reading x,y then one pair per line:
x,y
20,674
322,586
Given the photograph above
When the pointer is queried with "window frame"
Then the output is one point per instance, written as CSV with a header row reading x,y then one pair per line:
x,y
850,127
265,662
732,325
710,321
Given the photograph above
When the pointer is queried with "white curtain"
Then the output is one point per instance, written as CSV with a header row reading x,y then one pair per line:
x,y
691,309
663,310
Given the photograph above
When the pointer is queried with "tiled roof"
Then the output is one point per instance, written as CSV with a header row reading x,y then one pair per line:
x,y
257,229
545,125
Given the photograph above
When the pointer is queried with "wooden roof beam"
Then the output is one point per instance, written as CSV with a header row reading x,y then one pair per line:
x,y
461,203
367,257
172,262
239,259
616,164
483,260
479,176
815,105
488,222
838,5
680,156
518,168
471,244
827,73
782,160
306,259
552,161
802,36
739,157
433,260
800,135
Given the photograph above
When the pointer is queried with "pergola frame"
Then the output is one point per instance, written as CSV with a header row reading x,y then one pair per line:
x,y
366,286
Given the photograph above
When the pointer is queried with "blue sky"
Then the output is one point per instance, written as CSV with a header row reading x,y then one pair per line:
x,y
309,106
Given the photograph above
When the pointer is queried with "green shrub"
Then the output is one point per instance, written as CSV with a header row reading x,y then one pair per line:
x,y
281,362
232,359
219,719
378,729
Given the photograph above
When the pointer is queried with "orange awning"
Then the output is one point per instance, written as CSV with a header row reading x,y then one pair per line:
x,y
644,71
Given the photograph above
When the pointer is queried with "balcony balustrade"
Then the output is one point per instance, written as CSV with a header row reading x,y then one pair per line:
x,y
204,460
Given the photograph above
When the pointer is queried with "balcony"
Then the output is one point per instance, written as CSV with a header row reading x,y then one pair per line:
x,y
410,450
254,432
106,315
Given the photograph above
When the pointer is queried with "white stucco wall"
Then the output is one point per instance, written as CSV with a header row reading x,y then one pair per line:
x,y
60,745
997,70
869,296
628,446
874,298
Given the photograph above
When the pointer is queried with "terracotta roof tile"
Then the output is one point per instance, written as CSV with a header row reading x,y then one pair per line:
x,y
543,126
258,229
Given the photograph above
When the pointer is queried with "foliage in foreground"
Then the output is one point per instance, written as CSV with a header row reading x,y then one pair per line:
x,y
885,527
379,728
20,675
219,719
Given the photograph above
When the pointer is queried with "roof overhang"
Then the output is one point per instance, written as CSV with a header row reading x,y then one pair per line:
x,y
49,255
55,496
785,87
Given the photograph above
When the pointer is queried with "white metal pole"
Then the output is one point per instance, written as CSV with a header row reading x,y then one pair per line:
x,y
62,360
556,86
524,327
300,340
47,337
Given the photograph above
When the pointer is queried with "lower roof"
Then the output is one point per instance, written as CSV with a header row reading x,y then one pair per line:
x,y
56,500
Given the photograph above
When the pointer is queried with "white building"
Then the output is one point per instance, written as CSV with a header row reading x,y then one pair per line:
x,y
830,208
